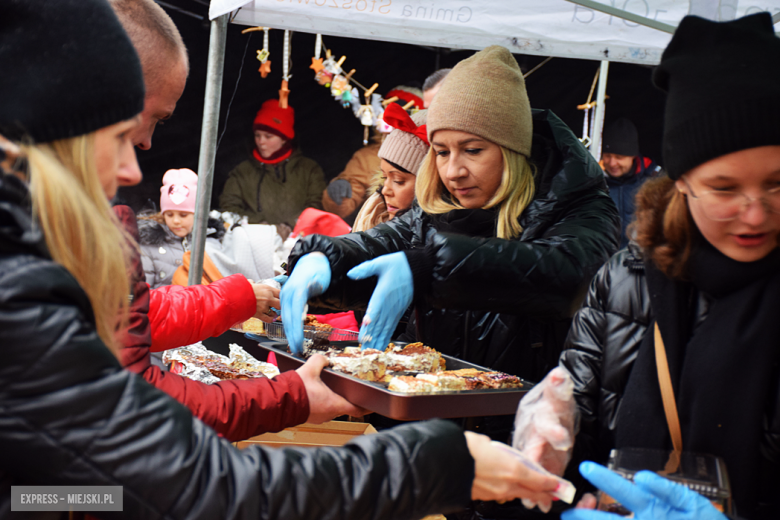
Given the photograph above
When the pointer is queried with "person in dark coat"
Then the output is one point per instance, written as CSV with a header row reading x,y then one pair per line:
x,y
626,169
705,269
70,414
493,276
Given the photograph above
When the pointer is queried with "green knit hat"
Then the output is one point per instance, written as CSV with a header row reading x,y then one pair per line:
x,y
485,95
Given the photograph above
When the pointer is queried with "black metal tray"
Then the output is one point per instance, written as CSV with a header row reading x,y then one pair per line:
x,y
406,407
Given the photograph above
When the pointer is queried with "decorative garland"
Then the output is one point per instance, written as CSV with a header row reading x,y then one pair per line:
x,y
343,87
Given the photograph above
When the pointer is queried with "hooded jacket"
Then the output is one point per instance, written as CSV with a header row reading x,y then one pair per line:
x,y
273,193
504,304
72,416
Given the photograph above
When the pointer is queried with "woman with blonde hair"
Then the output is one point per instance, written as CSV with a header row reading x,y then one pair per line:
x,y
70,414
512,218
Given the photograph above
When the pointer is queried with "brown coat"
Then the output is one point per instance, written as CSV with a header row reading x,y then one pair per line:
x,y
360,172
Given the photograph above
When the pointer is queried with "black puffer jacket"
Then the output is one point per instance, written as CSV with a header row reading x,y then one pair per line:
x,y
489,299
71,416
601,351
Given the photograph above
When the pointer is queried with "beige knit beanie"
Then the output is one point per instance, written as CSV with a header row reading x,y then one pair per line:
x,y
485,95
404,148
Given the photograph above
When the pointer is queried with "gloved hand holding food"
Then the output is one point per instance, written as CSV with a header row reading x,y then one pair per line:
x,y
392,296
650,497
547,423
310,277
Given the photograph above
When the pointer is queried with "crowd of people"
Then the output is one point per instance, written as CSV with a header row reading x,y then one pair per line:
x,y
474,224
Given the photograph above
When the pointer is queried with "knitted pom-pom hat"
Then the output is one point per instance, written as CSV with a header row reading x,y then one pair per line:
x,y
68,69
179,191
485,95
402,146
275,119
722,81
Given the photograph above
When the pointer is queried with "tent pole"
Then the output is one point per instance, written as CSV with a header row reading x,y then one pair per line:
x,y
598,124
208,145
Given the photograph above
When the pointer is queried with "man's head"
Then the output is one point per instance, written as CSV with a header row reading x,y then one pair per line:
x,y
619,147
432,85
163,59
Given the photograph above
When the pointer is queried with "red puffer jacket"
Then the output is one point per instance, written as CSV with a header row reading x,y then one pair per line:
x,y
174,316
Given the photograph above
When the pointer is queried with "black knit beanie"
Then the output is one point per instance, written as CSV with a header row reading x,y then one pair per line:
x,y
620,137
68,69
723,85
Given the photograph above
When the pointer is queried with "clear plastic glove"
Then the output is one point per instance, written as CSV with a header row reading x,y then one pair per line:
x,y
546,425
324,403
310,277
392,296
651,497
500,477
339,189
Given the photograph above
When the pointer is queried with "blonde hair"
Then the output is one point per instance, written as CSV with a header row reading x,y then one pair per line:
x,y
514,194
81,231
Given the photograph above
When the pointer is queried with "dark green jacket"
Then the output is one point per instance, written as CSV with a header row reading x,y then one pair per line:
x,y
274,193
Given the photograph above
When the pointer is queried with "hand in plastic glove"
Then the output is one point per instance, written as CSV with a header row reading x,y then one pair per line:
x,y
546,424
651,497
280,279
339,189
324,403
391,297
498,477
310,277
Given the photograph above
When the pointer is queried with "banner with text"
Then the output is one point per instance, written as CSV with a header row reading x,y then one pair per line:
x,y
541,27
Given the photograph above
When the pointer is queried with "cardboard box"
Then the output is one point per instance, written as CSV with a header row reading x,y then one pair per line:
x,y
333,433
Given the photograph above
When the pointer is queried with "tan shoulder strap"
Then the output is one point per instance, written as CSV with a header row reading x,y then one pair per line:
x,y
670,405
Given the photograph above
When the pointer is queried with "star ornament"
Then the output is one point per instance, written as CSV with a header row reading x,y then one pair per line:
x,y
316,64
265,68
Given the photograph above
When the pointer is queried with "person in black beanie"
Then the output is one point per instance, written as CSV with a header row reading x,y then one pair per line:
x,y
626,169
705,269
70,415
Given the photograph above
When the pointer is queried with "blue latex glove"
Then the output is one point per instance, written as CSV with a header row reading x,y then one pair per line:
x,y
652,497
282,279
392,296
310,277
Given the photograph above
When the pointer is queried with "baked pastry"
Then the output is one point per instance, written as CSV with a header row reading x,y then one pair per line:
x,y
368,364
414,357
254,326
410,385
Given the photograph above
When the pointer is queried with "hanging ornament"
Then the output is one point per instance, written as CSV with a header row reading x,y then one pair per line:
x,y
340,84
366,113
284,92
262,56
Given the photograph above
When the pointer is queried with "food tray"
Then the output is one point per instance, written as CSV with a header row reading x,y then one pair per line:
x,y
275,331
406,407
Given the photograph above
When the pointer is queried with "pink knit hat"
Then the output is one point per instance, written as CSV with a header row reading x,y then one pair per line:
x,y
179,191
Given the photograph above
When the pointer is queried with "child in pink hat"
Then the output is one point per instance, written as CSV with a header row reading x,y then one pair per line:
x,y
165,236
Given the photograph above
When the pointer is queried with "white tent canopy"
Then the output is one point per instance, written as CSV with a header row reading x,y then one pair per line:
x,y
632,31
559,28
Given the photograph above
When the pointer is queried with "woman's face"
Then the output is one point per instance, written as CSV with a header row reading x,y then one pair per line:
x,y
268,143
179,222
398,189
115,156
469,167
753,234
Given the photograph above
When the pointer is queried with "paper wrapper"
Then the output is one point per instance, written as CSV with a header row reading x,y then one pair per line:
x,y
198,363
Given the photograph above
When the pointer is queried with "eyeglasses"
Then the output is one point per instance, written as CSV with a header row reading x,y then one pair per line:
x,y
727,205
